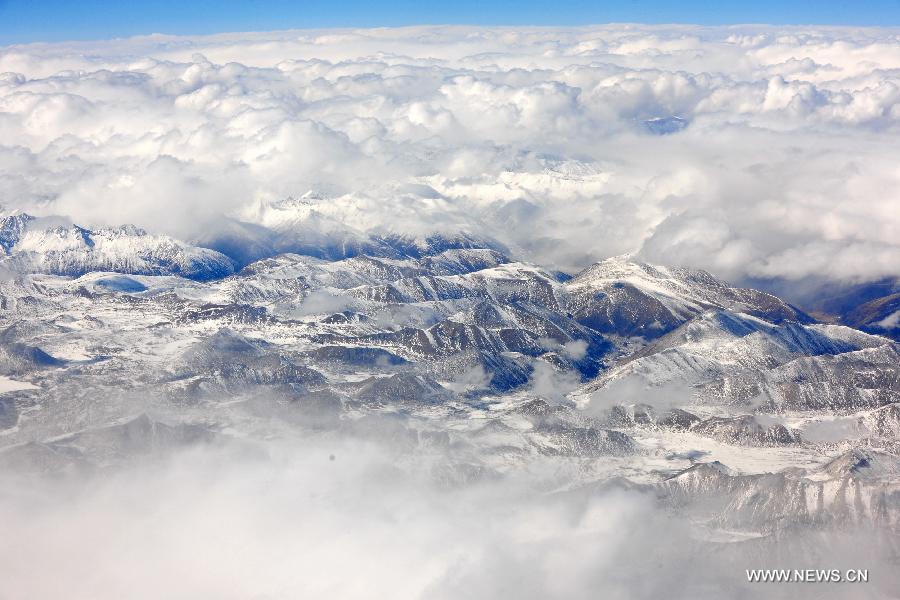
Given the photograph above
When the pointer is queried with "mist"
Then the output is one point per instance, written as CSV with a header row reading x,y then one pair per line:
x,y
340,516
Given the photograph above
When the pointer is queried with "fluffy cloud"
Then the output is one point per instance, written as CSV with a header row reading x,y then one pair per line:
x,y
782,163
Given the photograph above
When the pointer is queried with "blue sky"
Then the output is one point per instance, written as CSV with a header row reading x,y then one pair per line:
x,y
45,20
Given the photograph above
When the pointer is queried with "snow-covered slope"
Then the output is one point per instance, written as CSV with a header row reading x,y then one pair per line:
x,y
631,298
36,246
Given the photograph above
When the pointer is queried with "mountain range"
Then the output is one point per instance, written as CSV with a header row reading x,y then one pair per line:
x,y
729,404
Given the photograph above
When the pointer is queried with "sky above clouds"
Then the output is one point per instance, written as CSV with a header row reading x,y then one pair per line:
x,y
29,20
540,137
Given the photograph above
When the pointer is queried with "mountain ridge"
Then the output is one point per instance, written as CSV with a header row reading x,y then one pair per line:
x,y
640,372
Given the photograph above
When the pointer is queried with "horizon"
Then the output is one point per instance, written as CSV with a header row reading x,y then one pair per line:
x,y
587,27
98,20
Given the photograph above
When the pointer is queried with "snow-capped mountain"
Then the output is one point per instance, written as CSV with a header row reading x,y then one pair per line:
x,y
733,406
631,298
34,245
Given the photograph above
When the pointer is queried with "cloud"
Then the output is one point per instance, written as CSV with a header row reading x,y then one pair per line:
x,y
785,170
338,516
343,517
321,302
633,390
834,430
890,322
550,384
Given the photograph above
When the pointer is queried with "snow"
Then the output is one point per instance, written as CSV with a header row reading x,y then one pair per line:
x,y
11,385
74,251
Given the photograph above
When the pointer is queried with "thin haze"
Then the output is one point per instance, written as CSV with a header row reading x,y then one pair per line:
x,y
338,517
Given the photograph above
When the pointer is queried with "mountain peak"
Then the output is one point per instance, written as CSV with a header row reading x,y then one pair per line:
x,y
627,297
34,245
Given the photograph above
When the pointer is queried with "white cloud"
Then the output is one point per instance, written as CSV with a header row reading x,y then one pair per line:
x,y
787,168
340,518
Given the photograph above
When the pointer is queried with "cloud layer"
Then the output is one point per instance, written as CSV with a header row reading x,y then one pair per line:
x,y
542,138
337,518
